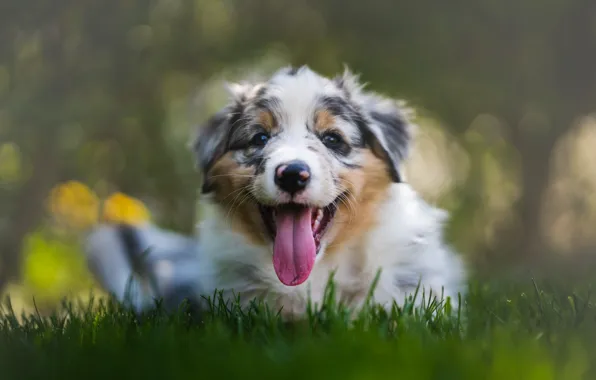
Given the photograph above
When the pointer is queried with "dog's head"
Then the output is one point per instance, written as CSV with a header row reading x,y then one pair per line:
x,y
301,161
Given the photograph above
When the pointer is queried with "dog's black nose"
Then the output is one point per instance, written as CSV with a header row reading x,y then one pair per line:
x,y
292,176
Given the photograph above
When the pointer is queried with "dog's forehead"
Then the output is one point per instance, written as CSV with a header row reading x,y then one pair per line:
x,y
297,94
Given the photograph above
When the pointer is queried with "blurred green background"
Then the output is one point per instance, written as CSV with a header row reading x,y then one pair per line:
x,y
107,94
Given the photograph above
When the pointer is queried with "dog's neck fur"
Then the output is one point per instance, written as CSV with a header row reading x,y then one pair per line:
x,y
405,243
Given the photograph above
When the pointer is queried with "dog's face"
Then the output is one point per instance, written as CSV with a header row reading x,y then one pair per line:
x,y
300,162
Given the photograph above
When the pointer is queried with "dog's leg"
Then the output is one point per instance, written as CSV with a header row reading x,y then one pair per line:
x,y
139,264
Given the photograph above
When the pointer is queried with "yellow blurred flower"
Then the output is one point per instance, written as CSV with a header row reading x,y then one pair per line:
x,y
52,267
120,208
74,205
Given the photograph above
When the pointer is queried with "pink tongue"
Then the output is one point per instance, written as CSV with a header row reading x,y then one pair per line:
x,y
294,249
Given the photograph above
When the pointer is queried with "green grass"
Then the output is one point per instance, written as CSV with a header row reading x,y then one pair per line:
x,y
505,330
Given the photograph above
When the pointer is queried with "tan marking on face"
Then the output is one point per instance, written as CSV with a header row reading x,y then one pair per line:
x,y
231,183
367,188
324,121
267,121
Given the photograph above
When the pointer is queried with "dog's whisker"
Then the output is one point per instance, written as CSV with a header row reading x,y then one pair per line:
x,y
244,197
233,204
235,192
344,199
348,199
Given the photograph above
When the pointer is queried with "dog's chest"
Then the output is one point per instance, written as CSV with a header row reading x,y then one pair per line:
x,y
248,271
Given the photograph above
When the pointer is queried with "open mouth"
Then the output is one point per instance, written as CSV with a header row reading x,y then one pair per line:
x,y
296,231
320,218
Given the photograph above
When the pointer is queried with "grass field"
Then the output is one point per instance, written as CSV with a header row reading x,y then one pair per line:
x,y
522,329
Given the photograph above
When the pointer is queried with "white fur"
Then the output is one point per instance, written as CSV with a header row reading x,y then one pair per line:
x,y
406,243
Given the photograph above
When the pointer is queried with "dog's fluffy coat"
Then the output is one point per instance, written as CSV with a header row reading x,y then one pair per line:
x,y
353,142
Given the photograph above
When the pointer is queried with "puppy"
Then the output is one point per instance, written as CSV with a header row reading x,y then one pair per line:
x,y
301,180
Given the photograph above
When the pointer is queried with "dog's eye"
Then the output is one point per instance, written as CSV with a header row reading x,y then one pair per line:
x,y
260,139
332,140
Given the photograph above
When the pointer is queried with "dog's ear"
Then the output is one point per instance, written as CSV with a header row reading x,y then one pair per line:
x,y
392,131
211,141
387,123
